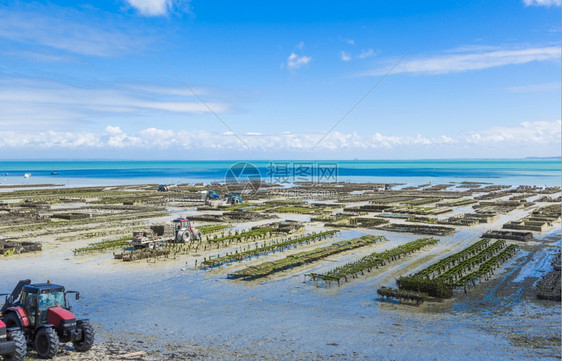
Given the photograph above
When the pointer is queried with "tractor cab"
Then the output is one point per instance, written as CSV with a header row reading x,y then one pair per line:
x,y
181,223
37,299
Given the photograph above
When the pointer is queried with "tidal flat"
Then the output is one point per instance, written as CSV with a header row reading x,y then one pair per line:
x,y
180,301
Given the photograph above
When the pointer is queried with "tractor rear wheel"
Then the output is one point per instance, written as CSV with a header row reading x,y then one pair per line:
x,y
87,340
21,346
46,343
198,235
186,236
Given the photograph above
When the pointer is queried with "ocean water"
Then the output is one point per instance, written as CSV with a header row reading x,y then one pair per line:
x,y
411,172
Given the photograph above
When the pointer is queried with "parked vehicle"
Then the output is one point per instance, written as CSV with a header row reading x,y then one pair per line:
x,y
211,196
181,230
233,198
42,312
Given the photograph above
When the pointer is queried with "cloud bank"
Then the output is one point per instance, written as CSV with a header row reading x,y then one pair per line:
x,y
540,133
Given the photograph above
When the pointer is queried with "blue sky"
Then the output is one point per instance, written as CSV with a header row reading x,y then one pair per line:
x,y
167,79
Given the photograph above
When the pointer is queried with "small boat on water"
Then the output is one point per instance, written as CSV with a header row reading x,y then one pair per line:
x,y
55,173
27,175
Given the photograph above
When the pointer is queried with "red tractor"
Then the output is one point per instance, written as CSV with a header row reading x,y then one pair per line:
x,y
45,318
13,346
184,231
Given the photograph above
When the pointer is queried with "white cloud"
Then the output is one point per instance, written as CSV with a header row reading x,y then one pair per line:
x,y
155,7
161,138
50,139
300,45
164,90
345,56
365,53
541,133
29,103
477,60
295,61
471,48
116,138
547,3
381,141
151,7
68,30
532,88
37,56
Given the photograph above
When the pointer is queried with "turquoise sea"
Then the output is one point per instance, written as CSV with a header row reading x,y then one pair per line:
x,y
81,173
